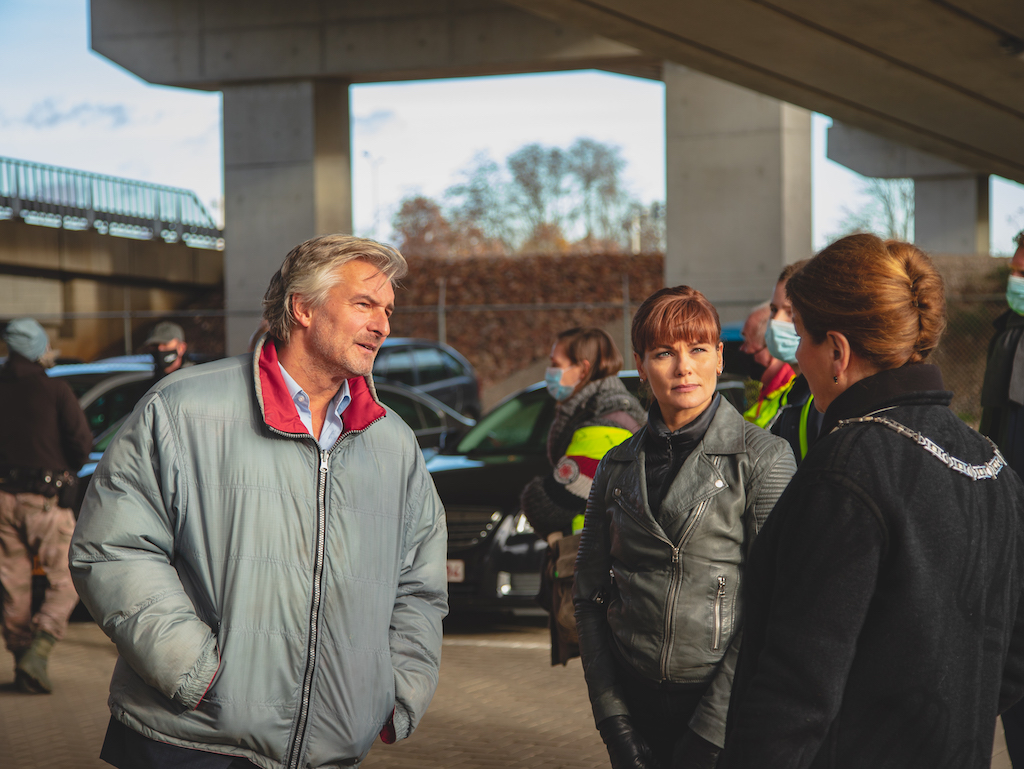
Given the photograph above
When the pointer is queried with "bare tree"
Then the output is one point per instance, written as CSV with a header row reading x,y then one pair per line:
x,y
595,168
541,200
889,211
421,228
479,206
538,185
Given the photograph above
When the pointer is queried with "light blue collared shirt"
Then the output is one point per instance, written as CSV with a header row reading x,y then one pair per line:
x,y
333,424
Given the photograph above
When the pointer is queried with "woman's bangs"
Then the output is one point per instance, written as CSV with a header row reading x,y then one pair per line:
x,y
687,321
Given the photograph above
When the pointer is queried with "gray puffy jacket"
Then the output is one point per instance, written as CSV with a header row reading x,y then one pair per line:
x,y
672,608
268,599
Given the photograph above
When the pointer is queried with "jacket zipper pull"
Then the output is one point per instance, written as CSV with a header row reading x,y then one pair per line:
x,y
716,642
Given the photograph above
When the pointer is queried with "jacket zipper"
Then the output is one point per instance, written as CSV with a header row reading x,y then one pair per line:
x,y
673,588
716,640
314,614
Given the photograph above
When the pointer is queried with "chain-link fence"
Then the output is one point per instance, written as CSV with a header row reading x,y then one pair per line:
x,y
962,352
500,340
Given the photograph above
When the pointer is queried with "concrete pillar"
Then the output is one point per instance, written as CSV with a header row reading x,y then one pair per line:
x,y
287,178
951,206
951,214
738,200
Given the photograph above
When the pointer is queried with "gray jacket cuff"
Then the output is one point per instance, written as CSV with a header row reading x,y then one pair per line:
x,y
197,682
402,722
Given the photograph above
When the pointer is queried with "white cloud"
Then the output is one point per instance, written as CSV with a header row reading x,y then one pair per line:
x,y
47,114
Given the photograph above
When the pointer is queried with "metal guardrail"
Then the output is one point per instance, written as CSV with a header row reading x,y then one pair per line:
x,y
79,200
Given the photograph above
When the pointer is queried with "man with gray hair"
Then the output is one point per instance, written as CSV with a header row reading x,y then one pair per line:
x,y
263,542
44,440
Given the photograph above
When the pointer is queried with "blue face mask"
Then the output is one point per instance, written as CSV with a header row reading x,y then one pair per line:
x,y
1015,294
553,381
782,340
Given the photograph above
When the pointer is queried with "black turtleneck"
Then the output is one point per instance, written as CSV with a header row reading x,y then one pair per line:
x,y
665,451
886,388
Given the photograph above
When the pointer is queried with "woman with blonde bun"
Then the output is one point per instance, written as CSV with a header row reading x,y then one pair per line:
x,y
883,623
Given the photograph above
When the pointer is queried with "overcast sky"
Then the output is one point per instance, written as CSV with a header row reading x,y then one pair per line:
x,y
64,105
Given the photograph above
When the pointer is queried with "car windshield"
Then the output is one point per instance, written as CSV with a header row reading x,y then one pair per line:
x,y
517,426
81,383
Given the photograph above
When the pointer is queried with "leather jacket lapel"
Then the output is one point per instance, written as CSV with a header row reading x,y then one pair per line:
x,y
629,489
698,480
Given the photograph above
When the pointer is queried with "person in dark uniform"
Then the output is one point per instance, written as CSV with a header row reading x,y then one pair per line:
x,y
1002,420
167,344
44,439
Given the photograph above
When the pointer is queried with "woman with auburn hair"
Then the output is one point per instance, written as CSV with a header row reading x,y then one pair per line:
x,y
671,516
883,623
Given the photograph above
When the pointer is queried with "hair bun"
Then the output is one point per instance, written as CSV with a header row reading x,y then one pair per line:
x,y
886,297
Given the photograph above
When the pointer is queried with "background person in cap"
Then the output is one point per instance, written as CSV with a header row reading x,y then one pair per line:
x,y
44,438
167,341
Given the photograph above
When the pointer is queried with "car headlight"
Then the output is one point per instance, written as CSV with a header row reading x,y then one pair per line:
x,y
521,526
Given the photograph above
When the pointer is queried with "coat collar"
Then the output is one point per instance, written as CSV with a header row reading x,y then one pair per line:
x,y
914,383
700,477
18,367
279,410
725,435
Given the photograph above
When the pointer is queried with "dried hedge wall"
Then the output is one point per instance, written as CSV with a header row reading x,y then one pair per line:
x,y
499,342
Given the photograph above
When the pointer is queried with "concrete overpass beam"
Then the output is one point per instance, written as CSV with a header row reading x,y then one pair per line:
x,y
287,178
951,205
738,189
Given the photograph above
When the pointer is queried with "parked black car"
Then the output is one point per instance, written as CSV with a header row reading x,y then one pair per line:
x,y
434,368
494,557
109,389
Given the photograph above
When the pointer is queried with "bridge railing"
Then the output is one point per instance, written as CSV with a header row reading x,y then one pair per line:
x,y
62,197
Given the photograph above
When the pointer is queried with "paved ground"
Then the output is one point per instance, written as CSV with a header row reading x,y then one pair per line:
x,y
499,704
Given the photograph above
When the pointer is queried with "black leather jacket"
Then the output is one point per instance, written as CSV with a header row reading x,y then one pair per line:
x,y
668,594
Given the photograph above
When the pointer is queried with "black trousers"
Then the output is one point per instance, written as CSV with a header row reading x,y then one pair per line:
x,y
659,711
125,748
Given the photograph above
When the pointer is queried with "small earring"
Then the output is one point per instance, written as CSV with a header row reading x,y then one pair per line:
x,y
835,379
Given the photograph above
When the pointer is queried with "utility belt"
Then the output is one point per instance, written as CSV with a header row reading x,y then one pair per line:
x,y
62,484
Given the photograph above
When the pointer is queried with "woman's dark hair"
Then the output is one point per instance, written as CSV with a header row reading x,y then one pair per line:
x,y
790,270
594,346
885,296
673,314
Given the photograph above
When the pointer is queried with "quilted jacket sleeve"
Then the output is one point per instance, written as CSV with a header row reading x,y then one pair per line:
x,y
121,559
420,604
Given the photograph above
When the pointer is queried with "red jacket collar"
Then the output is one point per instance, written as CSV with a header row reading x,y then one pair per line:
x,y
782,377
280,413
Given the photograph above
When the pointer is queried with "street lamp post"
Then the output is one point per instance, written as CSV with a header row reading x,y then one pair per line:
x,y
374,165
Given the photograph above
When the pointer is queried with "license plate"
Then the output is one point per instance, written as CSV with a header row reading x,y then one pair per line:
x,y
456,571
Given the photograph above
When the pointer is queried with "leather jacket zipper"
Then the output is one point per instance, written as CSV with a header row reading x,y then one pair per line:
x,y
314,614
716,639
673,587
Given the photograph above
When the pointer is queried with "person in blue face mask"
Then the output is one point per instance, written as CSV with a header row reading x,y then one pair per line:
x,y
796,420
594,413
1002,420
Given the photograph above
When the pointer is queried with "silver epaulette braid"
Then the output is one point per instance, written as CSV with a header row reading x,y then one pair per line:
x,y
975,472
